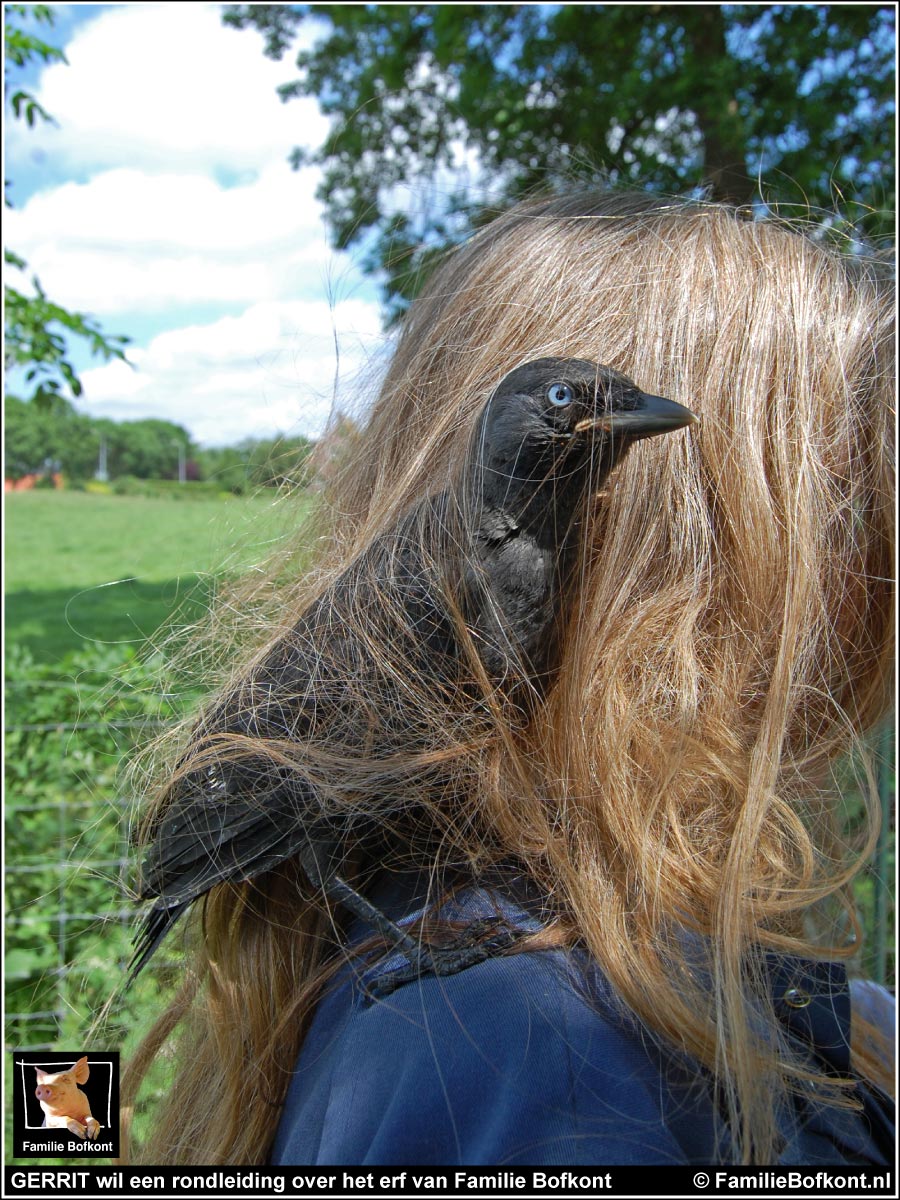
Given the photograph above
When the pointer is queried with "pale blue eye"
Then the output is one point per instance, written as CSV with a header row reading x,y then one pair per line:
x,y
560,394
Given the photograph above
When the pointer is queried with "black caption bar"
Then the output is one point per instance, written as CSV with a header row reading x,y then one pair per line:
x,y
91,1181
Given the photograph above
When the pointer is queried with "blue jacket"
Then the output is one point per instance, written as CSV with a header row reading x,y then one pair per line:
x,y
523,1059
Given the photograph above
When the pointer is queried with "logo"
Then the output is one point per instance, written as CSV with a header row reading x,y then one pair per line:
x,y
65,1104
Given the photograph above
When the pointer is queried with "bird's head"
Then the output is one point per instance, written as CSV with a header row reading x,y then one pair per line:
x,y
555,426
570,404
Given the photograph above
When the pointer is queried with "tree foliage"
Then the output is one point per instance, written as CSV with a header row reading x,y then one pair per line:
x,y
40,439
35,341
147,449
781,104
20,47
258,462
35,327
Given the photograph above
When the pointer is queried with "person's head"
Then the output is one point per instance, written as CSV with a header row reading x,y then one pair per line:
x,y
730,645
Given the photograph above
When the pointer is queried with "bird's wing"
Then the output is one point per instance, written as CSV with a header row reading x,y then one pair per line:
x,y
322,682
217,833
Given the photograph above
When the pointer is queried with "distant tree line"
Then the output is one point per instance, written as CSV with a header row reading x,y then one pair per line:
x,y
45,440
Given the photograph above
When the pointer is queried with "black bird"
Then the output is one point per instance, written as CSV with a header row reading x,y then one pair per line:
x,y
469,583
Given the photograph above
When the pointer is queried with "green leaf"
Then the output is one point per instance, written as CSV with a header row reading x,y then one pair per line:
x,y
22,964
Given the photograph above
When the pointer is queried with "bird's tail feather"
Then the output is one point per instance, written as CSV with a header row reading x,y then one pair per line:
x,y
156,925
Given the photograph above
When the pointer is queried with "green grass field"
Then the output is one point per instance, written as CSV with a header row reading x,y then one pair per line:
x,y
83,569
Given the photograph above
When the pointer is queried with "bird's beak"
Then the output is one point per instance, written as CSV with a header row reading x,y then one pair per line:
x,y
653,415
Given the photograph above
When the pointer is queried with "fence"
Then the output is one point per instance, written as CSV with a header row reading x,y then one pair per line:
x,y
68,920
68,913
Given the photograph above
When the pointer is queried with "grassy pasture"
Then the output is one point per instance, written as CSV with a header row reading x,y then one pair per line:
x,y
84,570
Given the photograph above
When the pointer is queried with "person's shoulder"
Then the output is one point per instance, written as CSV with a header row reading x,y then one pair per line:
x,y
533,990
511,1059
497,958
513,1050
514,987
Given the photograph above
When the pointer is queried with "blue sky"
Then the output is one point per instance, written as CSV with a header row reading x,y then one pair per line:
x,y
162,203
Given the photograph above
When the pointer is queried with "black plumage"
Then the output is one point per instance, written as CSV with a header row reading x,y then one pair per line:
x,y
466,590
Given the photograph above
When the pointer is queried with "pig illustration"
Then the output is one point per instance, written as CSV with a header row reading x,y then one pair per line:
x,y
65,1105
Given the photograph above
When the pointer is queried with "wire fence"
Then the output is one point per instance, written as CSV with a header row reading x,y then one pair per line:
x,y
69,918
68,913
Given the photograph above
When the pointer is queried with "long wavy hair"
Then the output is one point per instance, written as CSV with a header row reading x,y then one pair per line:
x,y
730,646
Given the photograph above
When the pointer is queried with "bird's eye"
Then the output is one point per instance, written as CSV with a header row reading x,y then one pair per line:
x,y
560,394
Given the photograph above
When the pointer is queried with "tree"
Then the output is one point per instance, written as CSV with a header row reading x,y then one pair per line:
x,y
36,327
676,98
147,449
40,439
225,466
278,461
259,462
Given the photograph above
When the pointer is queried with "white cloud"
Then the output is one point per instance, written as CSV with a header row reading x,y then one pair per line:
x,y
152,86
271,370
127,241
181,201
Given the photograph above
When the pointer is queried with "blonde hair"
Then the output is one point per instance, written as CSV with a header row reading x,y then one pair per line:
x,y
732,643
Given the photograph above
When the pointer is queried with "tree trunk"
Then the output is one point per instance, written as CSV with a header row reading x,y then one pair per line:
x,y
724,167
